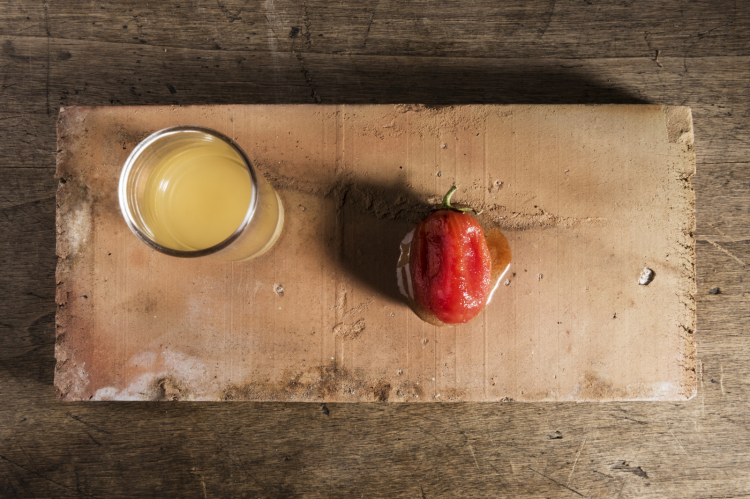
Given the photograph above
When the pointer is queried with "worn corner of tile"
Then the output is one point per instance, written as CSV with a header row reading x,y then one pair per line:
x,y
679,121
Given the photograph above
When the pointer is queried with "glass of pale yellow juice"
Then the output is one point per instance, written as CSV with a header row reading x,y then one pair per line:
x,y
189,191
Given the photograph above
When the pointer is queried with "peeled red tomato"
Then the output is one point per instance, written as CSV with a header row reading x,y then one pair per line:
x,y
450,264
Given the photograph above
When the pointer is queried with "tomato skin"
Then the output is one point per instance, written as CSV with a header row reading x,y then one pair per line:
x,y
450,266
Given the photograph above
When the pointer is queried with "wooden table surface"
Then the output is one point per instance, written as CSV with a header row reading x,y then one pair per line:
x,y
226,51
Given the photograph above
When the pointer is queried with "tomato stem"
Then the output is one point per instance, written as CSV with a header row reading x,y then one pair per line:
x,y
446,205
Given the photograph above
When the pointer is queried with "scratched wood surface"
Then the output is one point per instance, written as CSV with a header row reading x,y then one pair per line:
x,y
96,53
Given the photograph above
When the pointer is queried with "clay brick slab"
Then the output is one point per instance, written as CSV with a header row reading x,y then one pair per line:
x,y
587,195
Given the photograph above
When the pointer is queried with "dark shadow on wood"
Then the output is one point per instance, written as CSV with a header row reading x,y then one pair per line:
x,y
432,82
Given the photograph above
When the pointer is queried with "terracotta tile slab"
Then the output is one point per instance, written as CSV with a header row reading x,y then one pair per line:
x,y
587,195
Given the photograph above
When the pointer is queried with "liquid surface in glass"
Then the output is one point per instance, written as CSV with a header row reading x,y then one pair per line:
x,y
197,195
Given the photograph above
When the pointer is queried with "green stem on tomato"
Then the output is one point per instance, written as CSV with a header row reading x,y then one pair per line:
x,y
446,205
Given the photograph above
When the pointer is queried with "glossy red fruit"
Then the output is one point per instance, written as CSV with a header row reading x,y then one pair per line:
x,y
450,264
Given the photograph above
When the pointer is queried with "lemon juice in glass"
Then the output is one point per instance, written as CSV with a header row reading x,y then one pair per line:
x,y
189,191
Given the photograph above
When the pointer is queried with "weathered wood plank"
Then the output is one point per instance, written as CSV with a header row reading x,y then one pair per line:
x,y
723,204
460,450
27,281
696,449
519,28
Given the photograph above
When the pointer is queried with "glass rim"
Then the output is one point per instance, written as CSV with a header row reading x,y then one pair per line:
x,y
127,209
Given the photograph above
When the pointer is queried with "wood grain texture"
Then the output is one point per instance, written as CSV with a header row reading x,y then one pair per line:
x,y
80,53
518,28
